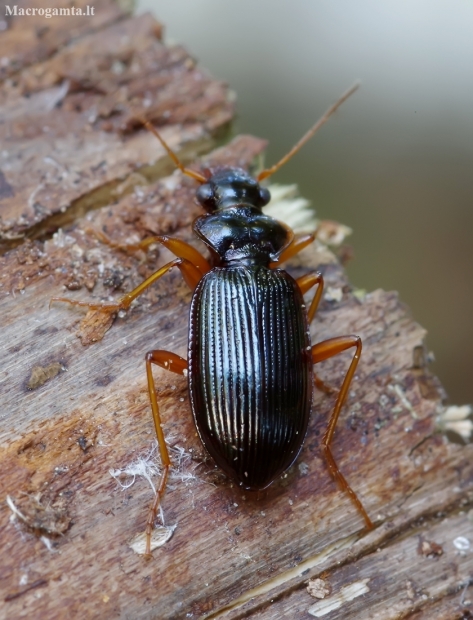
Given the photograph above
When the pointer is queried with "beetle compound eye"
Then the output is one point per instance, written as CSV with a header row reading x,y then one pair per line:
x,y
264,196
205,196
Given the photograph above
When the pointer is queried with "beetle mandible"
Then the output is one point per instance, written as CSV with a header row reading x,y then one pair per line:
x,y
250,359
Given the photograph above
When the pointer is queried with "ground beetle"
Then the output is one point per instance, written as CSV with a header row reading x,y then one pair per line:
x,y
250,358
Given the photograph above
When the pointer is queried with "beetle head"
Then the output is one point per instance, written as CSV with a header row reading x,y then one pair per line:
x,y
230,187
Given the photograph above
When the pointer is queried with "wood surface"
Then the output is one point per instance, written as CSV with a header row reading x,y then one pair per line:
x,y
74,159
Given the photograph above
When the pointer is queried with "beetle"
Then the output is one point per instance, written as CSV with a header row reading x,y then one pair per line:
x,y
250,358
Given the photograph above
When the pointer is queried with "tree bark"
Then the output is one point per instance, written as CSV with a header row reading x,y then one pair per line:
x,y
74,399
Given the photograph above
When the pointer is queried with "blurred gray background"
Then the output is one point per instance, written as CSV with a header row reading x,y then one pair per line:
x,y
394,164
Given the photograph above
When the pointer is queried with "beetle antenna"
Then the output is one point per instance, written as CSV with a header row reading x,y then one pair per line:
x,y
264,174
190,173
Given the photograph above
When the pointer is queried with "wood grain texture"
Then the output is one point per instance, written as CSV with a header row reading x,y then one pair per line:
x,y
71,413
67,132
30,39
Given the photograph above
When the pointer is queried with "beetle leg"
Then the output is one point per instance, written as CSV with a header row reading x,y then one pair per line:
x,y
320,352
323,387
307,282
191,274
174,363
179,248
298,243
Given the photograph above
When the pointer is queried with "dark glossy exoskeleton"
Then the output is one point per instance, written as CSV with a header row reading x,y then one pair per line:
x,y
250,359
250,362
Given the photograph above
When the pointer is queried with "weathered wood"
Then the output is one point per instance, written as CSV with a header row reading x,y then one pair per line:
x,y
67,145
31,38
71,413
